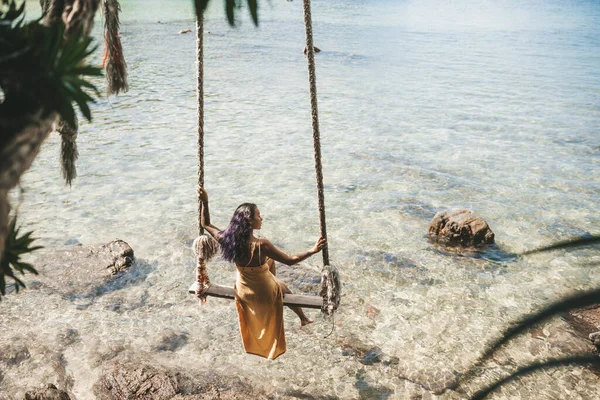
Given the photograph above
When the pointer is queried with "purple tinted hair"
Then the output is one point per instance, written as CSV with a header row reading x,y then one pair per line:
x,y
234,240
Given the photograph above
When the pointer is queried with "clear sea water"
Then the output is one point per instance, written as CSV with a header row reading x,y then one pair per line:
x,y
424,106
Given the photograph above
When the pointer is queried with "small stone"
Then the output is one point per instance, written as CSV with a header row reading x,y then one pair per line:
x,y
373,356
185,31
538,334
392,361
13,355
372,312
68,337
595,338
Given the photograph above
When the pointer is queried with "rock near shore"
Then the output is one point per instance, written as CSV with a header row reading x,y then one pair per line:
x,y
129,380
460,228
49,392
81,271
586,321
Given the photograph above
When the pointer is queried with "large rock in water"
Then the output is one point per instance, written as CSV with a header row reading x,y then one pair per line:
x,y
460,228
82,271
136,380
586,321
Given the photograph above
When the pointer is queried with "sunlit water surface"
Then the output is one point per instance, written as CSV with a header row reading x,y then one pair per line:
x,y
424,105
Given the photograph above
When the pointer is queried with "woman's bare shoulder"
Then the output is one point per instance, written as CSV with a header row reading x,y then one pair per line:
x,y
264,243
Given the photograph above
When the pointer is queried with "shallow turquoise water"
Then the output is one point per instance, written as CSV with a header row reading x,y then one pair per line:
x,y
423,106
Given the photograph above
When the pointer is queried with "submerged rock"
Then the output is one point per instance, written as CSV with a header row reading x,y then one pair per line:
x,y
586,322
13,355
49,392
134,380
373,356
299,278
460,228
364,353
82,271
172,341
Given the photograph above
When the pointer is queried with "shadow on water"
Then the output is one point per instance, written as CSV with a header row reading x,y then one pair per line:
x,y
367,391
378,257
135,275
395,268
306,396
493,253
172,341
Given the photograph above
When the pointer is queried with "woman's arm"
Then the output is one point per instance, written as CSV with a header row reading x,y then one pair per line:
x,y
205,215
273,252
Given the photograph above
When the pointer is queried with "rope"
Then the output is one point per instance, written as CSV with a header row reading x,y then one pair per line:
x,y
312,79
204,246
200,97
330,288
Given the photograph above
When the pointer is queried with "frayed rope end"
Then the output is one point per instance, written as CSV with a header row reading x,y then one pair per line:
x,y
331,289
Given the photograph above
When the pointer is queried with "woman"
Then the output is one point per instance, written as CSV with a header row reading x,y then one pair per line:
x,y
258,293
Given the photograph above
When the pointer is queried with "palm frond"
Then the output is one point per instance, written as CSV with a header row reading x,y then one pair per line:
x,y
200,6
253,6
231,6
43,70
15,246
230,11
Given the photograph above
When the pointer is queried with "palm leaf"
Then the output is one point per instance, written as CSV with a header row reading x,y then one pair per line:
x,y
571,360
14,247
253,6
87,70
200,6
230,11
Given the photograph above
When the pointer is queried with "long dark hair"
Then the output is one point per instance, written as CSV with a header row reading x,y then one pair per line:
x,y
234,240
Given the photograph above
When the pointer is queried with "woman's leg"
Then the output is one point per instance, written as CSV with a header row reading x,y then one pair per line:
x,y
304,320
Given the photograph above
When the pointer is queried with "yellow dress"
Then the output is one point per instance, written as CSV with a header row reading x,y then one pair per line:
x,y
259,303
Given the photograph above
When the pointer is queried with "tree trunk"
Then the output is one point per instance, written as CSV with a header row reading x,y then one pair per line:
x,y
17,155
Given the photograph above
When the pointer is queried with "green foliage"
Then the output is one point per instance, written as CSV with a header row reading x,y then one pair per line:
x,y
15,247
40,69
574,301
231,6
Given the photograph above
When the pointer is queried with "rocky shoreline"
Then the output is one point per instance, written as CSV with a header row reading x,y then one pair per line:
x,y
127,374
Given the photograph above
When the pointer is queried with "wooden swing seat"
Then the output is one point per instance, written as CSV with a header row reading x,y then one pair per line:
x,y
294,300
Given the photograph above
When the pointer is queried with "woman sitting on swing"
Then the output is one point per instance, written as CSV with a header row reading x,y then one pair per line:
x,y
258,293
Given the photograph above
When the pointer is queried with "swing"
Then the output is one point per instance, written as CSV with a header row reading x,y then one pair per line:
x,y
205,246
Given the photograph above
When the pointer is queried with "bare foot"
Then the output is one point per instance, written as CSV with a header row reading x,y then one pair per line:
x,y
304,322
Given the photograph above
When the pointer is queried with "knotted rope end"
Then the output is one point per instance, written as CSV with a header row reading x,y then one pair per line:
x,y
331,289
205,248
